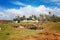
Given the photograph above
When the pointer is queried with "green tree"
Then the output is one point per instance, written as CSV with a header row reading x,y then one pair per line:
x,y
41,17
34,17
17,18
24,17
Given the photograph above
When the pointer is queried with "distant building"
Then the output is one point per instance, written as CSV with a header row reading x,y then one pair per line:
x,y
29,21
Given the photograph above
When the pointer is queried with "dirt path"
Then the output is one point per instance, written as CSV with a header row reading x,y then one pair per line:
x,y
38,36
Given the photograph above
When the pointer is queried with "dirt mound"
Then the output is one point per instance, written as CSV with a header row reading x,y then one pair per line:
x,y
35,25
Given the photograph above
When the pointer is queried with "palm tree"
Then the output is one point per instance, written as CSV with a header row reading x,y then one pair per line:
x,y
24,17
34,17
49,12
30,17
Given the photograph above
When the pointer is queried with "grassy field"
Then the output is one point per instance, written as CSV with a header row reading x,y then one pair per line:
x,y
8,30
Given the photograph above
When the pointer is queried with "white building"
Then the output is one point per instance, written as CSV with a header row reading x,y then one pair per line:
x,y
30,21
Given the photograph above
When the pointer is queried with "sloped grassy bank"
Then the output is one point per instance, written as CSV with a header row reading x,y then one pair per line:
x,y
8,30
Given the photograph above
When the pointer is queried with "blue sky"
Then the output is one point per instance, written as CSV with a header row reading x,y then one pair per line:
x,y
9,3
12,8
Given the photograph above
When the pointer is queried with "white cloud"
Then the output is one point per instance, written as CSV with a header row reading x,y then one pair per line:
x,y
3,15
28,11
57,2
19,3
56,11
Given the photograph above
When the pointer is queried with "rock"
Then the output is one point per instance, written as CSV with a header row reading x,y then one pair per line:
x,y
0,29
16,26
33,27
21,26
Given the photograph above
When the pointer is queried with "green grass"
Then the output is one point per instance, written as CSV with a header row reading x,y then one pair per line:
x,y
56,28
26,22
8,28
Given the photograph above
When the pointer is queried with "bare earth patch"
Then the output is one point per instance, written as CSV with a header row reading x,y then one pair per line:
x,y
41,36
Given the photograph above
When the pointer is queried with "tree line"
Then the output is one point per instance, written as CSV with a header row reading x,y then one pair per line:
x,y
42,17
